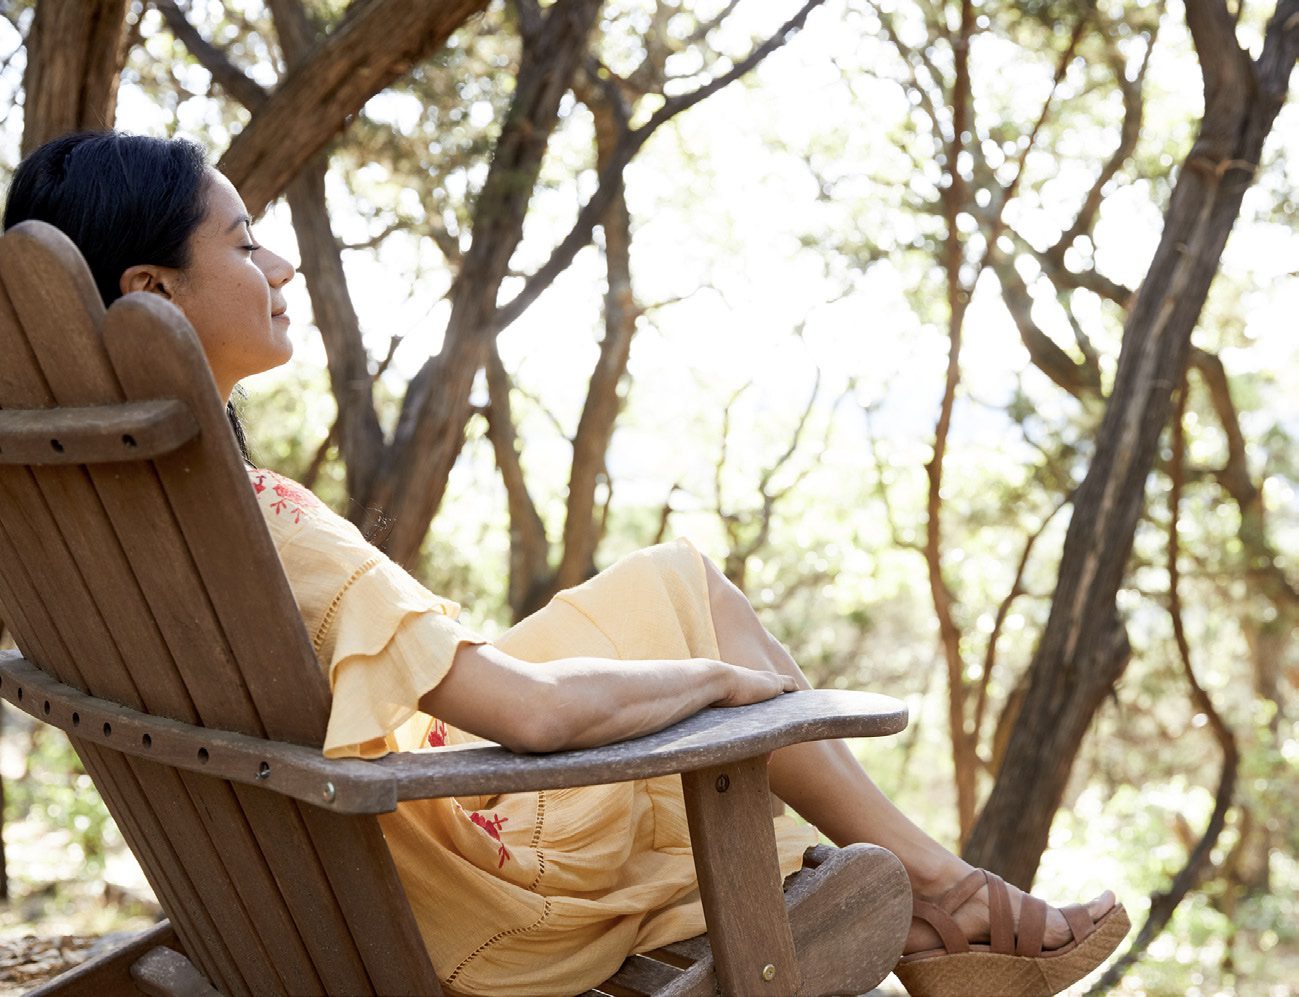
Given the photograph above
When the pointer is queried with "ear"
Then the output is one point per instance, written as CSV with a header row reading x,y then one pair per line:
x,y
146,277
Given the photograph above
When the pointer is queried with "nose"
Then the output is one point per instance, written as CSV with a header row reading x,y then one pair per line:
x,y
278,270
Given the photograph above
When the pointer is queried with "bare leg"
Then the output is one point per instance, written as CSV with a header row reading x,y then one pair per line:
x,y
825,783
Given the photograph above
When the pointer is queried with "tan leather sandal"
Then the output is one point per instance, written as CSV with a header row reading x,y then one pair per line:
x,y
1013,965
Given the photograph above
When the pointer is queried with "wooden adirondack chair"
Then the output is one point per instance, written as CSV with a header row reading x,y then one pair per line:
x,y
157,630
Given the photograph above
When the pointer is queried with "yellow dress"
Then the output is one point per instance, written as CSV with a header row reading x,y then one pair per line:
x,y
526,893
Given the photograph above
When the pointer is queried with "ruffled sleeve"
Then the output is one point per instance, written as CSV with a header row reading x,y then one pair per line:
x,y
381,637
388,641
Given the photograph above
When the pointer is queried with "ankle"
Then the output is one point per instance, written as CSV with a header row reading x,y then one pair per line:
x,y
935,872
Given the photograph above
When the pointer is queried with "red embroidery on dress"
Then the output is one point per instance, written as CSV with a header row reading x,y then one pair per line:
x,y
492,825
290,498
437,736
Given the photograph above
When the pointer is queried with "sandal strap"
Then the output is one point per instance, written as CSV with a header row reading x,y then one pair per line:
x,y
938,913
957,895
1079,920
1005,937
953,938
1032,926
1001,920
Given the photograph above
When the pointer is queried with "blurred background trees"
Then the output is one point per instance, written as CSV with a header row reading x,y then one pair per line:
x,y
915,315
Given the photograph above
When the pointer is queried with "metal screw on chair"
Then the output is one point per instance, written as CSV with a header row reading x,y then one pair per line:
x,y
768,972
329,792
723,783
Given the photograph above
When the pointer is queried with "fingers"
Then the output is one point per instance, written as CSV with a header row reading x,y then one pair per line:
x,y
750,686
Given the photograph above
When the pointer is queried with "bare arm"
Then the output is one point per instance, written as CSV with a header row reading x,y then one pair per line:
x,y
584,702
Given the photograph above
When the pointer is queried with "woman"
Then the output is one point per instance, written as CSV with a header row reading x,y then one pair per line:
x,y
538,892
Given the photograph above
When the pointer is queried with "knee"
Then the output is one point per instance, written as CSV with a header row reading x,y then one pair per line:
x,y
723,596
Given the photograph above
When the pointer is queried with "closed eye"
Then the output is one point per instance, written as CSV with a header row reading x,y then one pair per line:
x,y
251,249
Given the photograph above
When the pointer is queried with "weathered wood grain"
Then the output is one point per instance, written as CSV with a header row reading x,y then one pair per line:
x,y
94,434
734,845
710,737
164,972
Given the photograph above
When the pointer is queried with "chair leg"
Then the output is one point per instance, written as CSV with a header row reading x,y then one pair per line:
x,y
733,839
849,918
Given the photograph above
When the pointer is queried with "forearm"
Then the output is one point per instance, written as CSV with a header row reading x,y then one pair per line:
x,y
583,702
597,701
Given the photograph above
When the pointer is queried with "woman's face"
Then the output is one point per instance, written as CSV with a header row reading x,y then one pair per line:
x,y
230,292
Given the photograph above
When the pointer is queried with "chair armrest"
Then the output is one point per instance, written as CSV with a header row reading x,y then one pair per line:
x,y
346,785
713,736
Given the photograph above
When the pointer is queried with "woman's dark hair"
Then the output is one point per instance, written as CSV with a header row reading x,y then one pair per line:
x,y
123,199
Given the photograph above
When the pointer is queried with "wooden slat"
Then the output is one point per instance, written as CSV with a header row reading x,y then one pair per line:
x,y
642,975
131,809
185,801
88,640
193,923
154,353
734,845
35,636
94,434
684,953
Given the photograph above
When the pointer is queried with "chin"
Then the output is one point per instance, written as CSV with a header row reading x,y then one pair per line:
x,y
281,351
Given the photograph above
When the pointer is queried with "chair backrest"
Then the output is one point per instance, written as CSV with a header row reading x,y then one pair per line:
x,y
154,583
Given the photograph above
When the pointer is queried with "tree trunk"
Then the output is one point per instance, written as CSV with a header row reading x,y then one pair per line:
x,y
357,430
412,477
75,53
1084,648
603,402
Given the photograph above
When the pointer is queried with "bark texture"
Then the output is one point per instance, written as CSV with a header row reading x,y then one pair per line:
x,y
1084,647
377,43
75,53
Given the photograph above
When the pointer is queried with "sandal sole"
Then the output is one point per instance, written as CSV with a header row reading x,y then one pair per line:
x,y
989,974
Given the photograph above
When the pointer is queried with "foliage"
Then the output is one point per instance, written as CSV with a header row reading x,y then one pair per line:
x,y
57,794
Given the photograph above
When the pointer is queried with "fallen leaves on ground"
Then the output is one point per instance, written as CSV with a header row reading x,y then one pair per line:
x,y
31,960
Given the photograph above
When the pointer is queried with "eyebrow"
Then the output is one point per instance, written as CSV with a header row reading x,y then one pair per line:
x,y
241,220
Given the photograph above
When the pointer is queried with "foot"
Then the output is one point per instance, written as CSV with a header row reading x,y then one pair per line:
x,y
972,918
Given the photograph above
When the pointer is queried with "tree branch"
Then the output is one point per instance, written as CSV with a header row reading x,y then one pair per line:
x,y
224,72
375,44
1129,132
611,176
359,437
529,546
1082,380
1003,610
1163,904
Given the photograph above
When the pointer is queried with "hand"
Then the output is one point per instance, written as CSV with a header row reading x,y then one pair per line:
x,y
742,686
